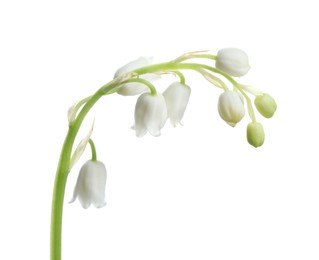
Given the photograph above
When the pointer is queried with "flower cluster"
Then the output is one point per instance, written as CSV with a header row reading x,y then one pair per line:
x,y
231,103
153,108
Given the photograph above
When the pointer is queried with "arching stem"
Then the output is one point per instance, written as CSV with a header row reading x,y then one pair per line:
x,y
76,121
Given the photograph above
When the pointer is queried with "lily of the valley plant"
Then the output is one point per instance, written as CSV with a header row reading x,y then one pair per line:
x,y
153,108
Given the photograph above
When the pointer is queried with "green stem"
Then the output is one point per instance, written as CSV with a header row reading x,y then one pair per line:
x,y
63,170
181,77
249,104
195,55
58,196
66,152
93,150
74,109
172,66
145,82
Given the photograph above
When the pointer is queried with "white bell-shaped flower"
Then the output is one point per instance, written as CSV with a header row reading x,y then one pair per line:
x,y
176,97
232,61
231,107
135,88
90,186
150,114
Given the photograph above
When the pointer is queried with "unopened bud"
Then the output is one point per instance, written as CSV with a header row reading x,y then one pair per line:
x,y
232,61
255,134
266,105
231,107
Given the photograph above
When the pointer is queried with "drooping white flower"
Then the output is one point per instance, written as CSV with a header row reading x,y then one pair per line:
x,y
176,97
232,61
150,114
135,88
231,107
90,185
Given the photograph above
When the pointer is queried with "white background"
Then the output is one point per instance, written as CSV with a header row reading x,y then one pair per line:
x,y
197,192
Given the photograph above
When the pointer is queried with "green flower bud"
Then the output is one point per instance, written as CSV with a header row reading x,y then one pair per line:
x,y
266,105
255,134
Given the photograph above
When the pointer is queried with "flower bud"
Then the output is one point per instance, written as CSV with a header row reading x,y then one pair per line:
x,y
231,107
266,105
255,134
232,61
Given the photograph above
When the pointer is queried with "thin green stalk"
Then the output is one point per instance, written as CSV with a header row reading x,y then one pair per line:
x,y
172,66
181,76
145,82
249,104
195,55
93,150
58,196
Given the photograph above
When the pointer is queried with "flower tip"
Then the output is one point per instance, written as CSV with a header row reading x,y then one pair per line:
x,y
73,199
231,124
175,122
139,135
86,206
156,134
100,205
